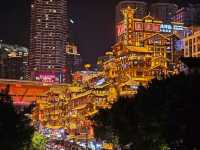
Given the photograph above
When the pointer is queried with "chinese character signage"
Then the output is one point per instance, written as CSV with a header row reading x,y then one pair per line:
x,y
139,26
120,29
166,28
156,27
178,27
48,77
148,27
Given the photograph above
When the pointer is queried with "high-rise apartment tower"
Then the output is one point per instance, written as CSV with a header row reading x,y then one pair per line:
x,y
48,37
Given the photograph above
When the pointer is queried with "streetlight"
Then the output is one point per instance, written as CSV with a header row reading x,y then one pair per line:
x,y
87,66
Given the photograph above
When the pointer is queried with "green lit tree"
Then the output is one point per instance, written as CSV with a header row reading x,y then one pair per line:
x,y
38,142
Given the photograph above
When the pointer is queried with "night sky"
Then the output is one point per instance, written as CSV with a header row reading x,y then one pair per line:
x,y
93,29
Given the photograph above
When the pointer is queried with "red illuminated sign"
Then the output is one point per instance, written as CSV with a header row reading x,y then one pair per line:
x,y
77,76
156,27
21,103
138,26
46,77
65,70
120,29
148,26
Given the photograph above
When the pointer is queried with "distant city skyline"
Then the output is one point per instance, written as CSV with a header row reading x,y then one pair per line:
x,y
93,29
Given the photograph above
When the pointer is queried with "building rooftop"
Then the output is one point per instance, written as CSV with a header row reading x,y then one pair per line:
x,y
128,1
164,4
13,48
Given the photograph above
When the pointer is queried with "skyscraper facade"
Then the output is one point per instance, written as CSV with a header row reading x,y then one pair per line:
x,y
49,33
185,15
163,11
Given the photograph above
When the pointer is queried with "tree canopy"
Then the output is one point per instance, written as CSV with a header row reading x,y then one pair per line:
x,y
38,142
164,114
15,128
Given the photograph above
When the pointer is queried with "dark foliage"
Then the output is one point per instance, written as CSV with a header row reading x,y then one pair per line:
x,y
163,114
15,129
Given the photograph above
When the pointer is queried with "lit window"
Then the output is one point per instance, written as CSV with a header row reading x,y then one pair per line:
x,y
46,17
46,26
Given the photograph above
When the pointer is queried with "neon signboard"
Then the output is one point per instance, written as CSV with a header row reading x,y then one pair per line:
x,y
120,29
48,77
138,26
100,82
21,103
156,27
178,27
148,26
77,76
169,28
166,28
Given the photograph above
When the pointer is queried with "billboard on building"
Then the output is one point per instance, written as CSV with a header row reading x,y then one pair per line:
x,y
49,77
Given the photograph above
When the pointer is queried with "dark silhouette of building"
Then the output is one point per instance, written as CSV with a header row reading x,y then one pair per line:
x,y
196,8
192,64
188,15
49,33
163,11
184,15
13,61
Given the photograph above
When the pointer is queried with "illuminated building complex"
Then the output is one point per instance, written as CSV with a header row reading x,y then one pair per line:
x,y
74,103
192,45
140,6
145,50
49,32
